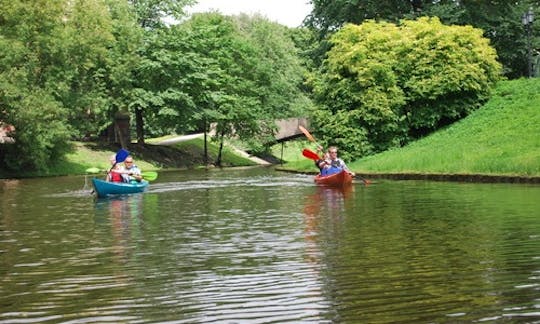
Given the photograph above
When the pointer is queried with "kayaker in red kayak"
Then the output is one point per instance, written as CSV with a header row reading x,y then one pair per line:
x,y
332,164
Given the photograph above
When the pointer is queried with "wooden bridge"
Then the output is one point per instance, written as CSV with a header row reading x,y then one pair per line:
x,y
287,129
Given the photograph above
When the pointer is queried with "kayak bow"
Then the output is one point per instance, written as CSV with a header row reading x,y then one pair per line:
x,y
339,179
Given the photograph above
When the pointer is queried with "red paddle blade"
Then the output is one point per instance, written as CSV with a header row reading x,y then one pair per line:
x,y
310,154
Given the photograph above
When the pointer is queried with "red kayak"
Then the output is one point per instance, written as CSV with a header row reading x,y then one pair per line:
x,y
339,179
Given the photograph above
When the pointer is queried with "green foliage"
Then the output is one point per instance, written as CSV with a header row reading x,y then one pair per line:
x,y
64,69
445,71
41,135
279,72
86,41
82,61
32,82
233,72
123,59
383,84
195,72
357,88
499,20
150,13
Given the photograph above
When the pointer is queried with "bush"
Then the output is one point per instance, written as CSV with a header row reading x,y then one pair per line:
x,y
395,83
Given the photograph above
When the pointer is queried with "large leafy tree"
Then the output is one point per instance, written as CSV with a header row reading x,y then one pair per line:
x,y
500,21
236,73
262,61
98,38
278,75
383,84
150,15
233,101
51,74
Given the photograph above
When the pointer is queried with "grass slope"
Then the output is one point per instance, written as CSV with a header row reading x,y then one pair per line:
x,y
501,138
183,155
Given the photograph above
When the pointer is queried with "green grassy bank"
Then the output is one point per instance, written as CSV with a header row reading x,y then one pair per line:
x,y
501,138
187,154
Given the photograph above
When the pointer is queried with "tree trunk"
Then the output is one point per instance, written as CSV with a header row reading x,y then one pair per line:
x,y
205,144
417,6
139,122
121,128
218,161
118,134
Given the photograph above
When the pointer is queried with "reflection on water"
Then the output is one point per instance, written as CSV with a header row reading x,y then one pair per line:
x,y
257,246
125,216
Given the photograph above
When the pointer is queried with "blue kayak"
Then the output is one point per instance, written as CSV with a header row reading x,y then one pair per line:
x,y
104,188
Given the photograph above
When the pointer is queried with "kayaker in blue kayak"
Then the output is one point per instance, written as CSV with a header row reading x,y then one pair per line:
x,y
115,172
131,172
332,164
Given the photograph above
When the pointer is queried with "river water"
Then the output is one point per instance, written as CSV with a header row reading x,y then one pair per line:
x,y
259,246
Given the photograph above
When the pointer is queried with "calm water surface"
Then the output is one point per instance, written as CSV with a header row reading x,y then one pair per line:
x,y
259,246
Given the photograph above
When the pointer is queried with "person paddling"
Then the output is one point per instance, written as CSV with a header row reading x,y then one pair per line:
x,y
332,164
131,172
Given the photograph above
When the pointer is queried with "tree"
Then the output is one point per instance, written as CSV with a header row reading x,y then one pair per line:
x,y
65,68
500,21
278,76
27,57
234,99
383,84
90,65
150,15
236,73
51,72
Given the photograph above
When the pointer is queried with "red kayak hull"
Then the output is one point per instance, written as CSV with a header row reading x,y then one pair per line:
x,y
340,179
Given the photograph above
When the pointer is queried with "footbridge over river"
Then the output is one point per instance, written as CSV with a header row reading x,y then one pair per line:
x,y
287,129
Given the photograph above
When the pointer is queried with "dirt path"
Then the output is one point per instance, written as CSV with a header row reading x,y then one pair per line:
x,y
182,138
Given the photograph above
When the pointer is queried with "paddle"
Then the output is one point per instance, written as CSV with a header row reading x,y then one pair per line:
x,y
120,157
147,175
309,136
93,170
311,155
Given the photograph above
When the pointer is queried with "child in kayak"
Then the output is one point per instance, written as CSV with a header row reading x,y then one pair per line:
x,y
115,173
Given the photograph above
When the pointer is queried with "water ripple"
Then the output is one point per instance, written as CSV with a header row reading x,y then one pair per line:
x,y
264,247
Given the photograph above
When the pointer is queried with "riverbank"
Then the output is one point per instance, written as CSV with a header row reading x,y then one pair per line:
x,y
499,142
181,155
473,178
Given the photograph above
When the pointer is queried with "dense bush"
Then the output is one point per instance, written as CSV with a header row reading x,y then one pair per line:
x,y
382,84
